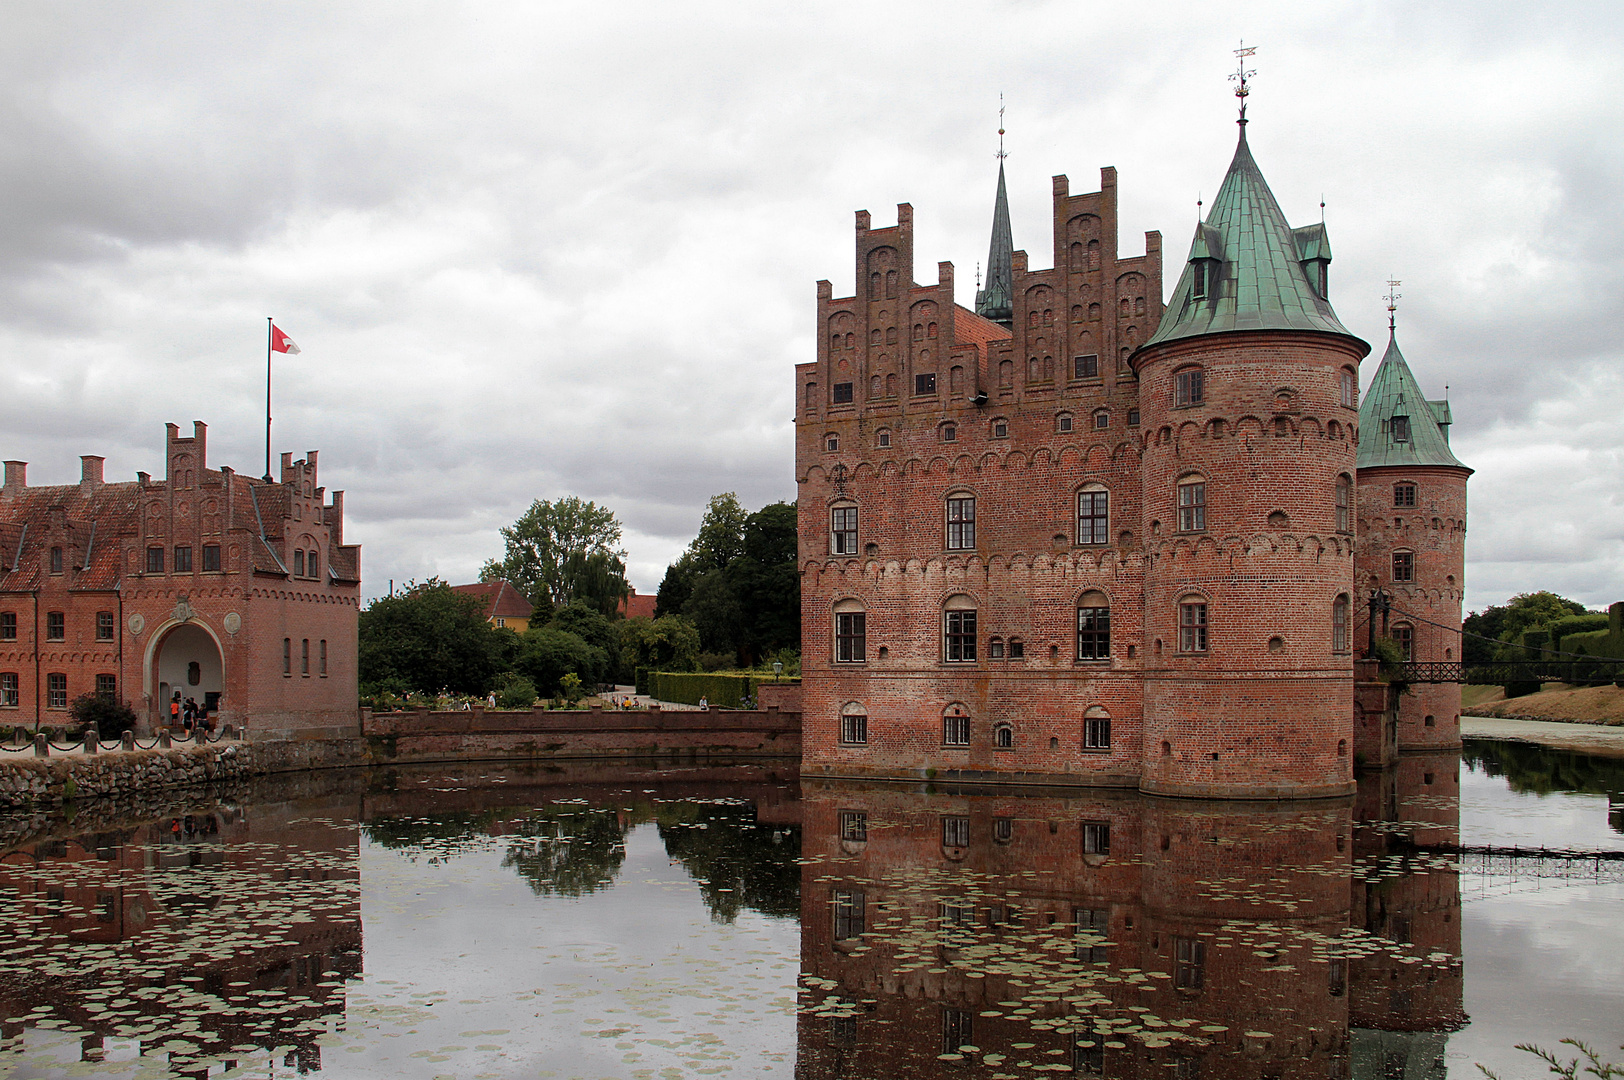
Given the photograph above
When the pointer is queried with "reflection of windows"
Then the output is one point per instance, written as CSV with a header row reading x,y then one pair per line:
x,y
1091,928
1097,733
955,729
1338,977
1003,831
854,826
959,636
1403,494
843,530
956,912
853,725
1189,963
1096,838
1192,506
1403,566
961,523
1094,629
955,831
955,1030
1093,516
1088,1055
1193,626
851,913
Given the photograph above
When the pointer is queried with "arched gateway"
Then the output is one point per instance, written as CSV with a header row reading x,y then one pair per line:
x,y
186,660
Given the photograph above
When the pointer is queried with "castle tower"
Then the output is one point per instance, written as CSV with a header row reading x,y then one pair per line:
x,y
1247,480
996,302
1412,540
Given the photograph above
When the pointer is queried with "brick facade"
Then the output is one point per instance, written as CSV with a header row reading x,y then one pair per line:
x,y
1073,442
219,586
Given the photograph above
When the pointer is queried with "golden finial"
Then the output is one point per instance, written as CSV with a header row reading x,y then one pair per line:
x,y
1001,154
1392,299
1241,75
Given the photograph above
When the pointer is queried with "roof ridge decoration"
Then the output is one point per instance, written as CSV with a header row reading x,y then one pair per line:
x,y
1398,426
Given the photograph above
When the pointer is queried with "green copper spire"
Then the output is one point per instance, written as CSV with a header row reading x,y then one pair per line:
x,y
1397,425
1248,269
997,300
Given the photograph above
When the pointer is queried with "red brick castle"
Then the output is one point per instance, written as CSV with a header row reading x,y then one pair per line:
x,y
235,592
1075,536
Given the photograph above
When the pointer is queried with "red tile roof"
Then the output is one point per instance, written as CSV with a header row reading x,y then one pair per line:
x,y
637,607
502,601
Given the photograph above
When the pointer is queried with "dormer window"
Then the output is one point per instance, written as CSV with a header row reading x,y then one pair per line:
x,y
1319,271
1400,428
1203,278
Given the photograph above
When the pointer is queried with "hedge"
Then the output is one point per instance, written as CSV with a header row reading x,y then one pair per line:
x,y
722,691
641,677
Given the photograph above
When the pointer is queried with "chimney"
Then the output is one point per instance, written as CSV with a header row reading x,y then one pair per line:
x,y
90,473
335,520
16,477
200,435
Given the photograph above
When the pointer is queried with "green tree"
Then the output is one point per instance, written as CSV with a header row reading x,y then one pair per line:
x,y
1529,611
721,533
547,654
427,638
767,581
551,549
676,587
587,623
668,643
715,611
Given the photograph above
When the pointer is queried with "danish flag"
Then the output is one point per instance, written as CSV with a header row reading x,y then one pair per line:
x,y
280,342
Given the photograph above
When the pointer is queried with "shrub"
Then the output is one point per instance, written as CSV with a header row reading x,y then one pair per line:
x,y
110,716
514,691
721,691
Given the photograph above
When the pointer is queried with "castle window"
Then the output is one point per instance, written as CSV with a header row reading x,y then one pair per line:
x,y
104,626
1339,625
851,632
1102,420
1000,429
961,523
1006,374
811,396
183,559
1003,831
1403,566
313,563
950,433
995,648
298,562
831,443
8,626
1350,388
56,560
853,725
1193,626
1198,279
1344,504
56,691
854,826
1192,506
843,530
842,391
1404,635
1400,428
1091,928
324,658
956,732
1017,649
1062,423
1189,387
1093,627
1003,737
1086,367
211,557
1096,729
959,630
155,560
10,690
56,626
1093,515
107,687
1096,838
1403,494
287,656
882,439
304,668
850,908
1133,417
925,384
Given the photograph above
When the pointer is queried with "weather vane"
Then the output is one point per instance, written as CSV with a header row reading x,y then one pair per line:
x,y
1001,154
1392,299
1242,74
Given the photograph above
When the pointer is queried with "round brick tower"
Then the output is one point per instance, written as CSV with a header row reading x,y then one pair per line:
x,y
1412,542
1248,412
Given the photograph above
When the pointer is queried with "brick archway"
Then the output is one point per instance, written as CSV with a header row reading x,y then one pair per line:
x,y
185,658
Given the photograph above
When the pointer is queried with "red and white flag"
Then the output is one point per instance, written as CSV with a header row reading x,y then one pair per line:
x,y
280,342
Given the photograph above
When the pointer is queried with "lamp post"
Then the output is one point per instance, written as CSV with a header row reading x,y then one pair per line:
x,y
778,669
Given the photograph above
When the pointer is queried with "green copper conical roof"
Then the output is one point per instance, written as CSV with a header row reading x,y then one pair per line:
x,y
1261,265
997,300
1399,426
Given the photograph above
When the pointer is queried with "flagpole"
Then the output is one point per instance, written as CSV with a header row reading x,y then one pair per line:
x,y
268,399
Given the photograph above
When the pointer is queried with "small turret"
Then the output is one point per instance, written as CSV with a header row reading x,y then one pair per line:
x,y
997,300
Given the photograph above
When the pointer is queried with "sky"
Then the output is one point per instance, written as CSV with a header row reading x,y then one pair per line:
x,y
535,250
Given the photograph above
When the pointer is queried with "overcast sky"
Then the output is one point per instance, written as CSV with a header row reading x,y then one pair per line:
x,y
532,250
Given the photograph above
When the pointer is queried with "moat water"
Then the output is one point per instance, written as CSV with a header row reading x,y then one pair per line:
x,y
663,923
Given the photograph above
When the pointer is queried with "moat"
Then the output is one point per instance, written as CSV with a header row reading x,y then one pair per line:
x,y
489,921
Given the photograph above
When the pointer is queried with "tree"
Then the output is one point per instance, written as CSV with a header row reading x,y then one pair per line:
x,y
1507,624
676,587
550,552
428,638
721,533
547,654
668,643
107,714
767,581
714,610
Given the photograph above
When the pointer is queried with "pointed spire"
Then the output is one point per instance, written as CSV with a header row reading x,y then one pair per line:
x,y
1397,424
997,300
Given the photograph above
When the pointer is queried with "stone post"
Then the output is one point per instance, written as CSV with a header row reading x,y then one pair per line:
x,y
200,734
92,742
164,741
42,745
127,741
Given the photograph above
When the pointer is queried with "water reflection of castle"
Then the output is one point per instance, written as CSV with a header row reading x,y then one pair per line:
x,y
185,928
1117,935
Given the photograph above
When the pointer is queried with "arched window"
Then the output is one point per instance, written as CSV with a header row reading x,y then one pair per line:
x,y
950,432
1189,386
959,630
1093,626
1062,422
1096,729
1192,504
1350,388
1404,634
1193,624
995,648
1000,428
1344,503
955,725
1003,736
1339,625
843,529
1403,566
1006,374
961,521
851,632
1093,515
853,724
1403,494
882,438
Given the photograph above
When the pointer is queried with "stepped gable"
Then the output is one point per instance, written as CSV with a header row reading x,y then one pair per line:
x,y
88,524
1262,266
1395,393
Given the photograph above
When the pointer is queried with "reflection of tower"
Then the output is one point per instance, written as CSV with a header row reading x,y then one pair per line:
x,y
1247,471
1401,1012
1412,537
